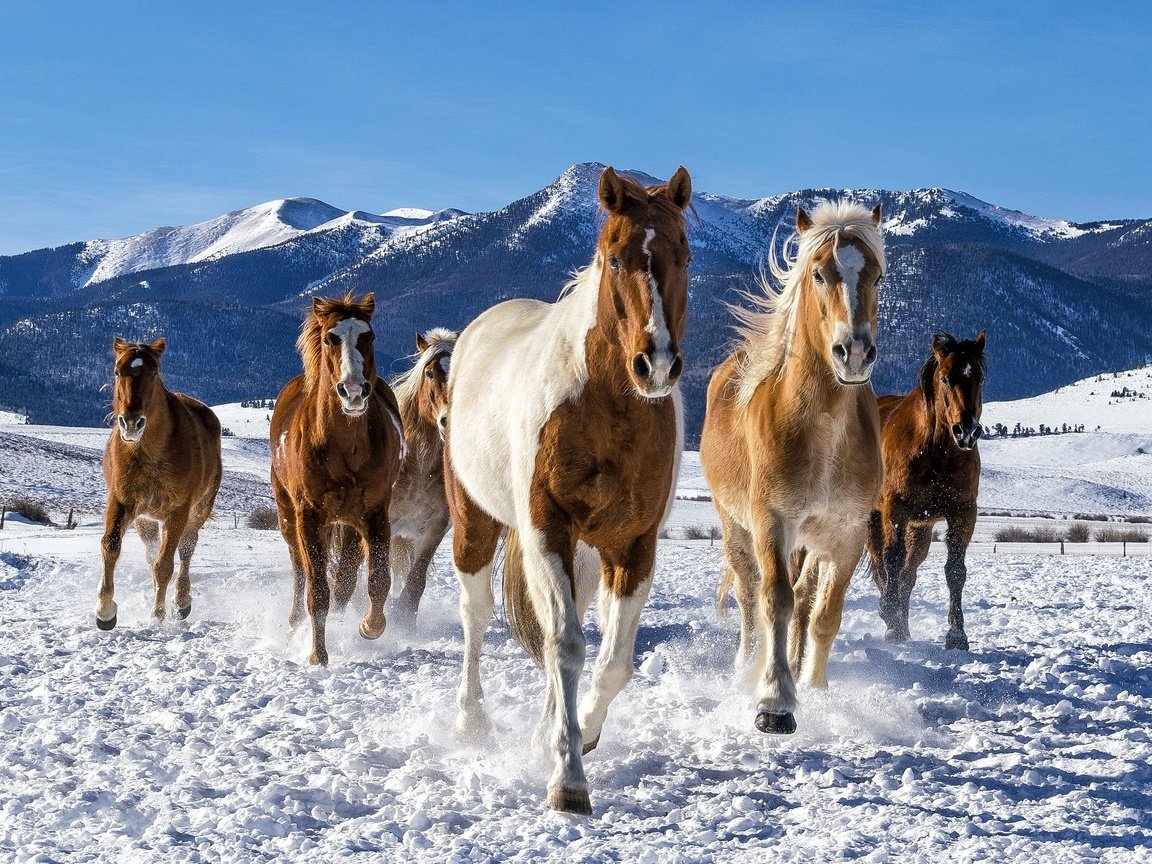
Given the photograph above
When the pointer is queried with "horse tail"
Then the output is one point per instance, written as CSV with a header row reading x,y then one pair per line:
x,y
522,619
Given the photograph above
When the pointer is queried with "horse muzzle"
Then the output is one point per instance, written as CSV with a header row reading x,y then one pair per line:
x,y
131,427
966,438
853,359
353,397
654,374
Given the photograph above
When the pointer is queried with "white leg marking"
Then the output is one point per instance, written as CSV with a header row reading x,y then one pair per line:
x,y
476,603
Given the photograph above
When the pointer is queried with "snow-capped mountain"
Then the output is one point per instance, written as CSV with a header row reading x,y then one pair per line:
x,y
1060,301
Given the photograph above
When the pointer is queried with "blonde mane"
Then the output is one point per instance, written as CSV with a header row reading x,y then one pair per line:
x,y
766,330
407,384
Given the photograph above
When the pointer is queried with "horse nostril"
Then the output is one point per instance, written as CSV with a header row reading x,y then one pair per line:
x,y
958,430
676,368
840,352
342,390
977,432
366,391
641,366
121,421
870,354
140,421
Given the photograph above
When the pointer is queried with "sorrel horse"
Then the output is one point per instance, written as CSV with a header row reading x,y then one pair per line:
x,y
162,466
931,472
791,450
337,442
564,423
419,511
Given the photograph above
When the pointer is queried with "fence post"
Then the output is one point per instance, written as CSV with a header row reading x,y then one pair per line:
x,y
1124,545
1061,547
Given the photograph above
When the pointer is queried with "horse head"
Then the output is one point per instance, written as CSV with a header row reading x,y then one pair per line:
x,y
952,381
841,248
137,370
643,257
435,349
341,344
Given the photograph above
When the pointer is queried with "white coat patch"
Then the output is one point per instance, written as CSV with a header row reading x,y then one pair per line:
x,y
137,363
968,370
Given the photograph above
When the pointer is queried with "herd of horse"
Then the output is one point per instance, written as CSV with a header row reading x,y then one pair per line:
x,y
559,428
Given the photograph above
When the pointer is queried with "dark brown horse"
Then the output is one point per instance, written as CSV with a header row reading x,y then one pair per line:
x,y
931,472
337,442
162,467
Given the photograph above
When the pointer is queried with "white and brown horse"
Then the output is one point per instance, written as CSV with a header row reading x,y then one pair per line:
x,y
791,450
419,511
337,441
564,423
162,466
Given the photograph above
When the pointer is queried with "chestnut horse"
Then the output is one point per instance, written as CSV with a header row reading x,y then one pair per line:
x,y
564,423
419,511
931,472
337,442
162,466
791,450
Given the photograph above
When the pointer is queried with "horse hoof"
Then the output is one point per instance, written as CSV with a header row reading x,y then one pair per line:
x,y
369,632
182,612
570,800
319,658
473,727
897,636
589,746
956,640
776,724
106,624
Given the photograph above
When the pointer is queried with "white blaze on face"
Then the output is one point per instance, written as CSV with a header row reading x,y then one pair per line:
x,y
967,370
657,323
850,261
349,332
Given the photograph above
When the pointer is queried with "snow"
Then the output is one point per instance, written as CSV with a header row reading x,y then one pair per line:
x,y
211,739
410,213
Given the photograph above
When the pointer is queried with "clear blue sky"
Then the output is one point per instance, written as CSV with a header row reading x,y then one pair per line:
x,y
117,117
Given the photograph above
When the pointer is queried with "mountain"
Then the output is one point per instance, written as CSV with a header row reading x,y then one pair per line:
x,y
1060,300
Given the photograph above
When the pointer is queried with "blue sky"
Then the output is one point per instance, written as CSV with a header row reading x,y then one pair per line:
x,y
119,117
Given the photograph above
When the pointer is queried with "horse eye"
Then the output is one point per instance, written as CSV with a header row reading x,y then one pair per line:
x,y
429,374
329,340
816,275
614,263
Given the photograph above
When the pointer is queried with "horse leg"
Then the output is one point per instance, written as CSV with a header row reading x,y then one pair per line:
x,y
423,551
312,538
776,691
550,576
919,544
959,535
806,581
893,562
623,595
149,531
743,573
187,546
876,549
831,585
115,518
165,563
287,518
349,553
377,534
473,548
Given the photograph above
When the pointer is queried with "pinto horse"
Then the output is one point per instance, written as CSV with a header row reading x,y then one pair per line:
x,y
564,423
931,472
791,450
162,466
337,441
419,511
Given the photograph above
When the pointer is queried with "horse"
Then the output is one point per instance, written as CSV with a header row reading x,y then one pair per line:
x,y
162,467
565,424
931,472
791,450
337,441
419,510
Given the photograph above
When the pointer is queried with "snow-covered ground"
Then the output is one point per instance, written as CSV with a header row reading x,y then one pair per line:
x,y
213,740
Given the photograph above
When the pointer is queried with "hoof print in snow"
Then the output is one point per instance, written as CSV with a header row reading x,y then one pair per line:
x,y
776,724
574,801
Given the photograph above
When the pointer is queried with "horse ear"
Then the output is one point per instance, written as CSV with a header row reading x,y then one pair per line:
x,y
877,214
158,346
118,345
680,188
943,342
369,303
980,339
421,343
611,191
318,305
803,220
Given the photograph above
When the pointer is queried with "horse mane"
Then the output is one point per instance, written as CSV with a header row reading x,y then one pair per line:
x,y
407,383
309,341
767,328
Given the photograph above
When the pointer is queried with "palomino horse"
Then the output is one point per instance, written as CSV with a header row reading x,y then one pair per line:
x,y
419,508
337,442
791,449
564,423
162,467
931,472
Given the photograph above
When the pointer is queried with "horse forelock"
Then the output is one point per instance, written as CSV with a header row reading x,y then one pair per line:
x,y
310,341
441,341
767,328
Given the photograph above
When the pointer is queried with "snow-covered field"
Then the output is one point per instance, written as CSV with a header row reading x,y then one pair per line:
x,y
213,740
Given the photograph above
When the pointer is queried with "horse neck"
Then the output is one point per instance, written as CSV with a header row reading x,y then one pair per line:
x,y
421,436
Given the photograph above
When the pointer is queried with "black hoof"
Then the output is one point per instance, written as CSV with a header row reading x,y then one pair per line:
x,y
183,612
894,635
955,640
589,746
575,801
776,724
106,625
